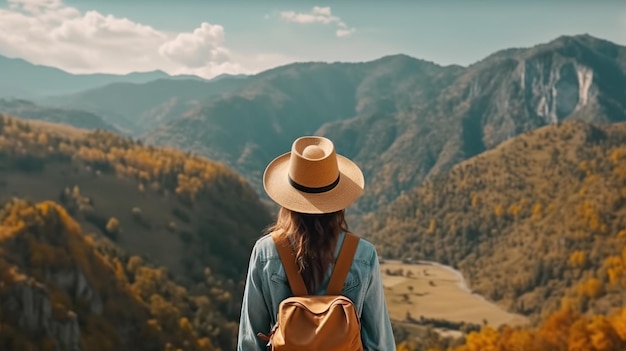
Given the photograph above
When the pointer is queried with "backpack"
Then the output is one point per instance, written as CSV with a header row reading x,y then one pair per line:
x,y
316,322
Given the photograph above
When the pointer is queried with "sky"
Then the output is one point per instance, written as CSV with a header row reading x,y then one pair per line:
x,y
211,37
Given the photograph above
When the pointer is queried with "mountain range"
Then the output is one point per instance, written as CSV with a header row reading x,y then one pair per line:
x,y
76,118
136,108
24,80
510,170
402,119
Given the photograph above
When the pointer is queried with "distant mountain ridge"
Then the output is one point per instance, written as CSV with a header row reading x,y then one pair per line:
x,y
22,79
402,119
76,118
137,107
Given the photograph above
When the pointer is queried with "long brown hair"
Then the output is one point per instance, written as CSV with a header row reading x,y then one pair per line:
x,y
314,237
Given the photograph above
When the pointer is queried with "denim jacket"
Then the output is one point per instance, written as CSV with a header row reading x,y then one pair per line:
x,y
267,286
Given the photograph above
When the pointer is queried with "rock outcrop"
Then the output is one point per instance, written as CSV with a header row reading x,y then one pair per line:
x,y
30,303
556,91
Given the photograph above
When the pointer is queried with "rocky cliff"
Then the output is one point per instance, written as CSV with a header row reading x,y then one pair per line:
x,y
60,291
31,303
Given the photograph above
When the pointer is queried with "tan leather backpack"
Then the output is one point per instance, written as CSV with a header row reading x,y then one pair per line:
x,y
311,322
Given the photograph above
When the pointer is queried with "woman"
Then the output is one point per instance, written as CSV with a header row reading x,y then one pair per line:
x,y
313,185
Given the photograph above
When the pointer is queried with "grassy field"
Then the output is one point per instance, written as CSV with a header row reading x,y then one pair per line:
x,y
437,292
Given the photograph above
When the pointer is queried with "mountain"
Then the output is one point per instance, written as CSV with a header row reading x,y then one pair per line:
x,y
64,289
533,220
175,205
281,104
402,119
488,103
105,242
76,118
136,108
22,79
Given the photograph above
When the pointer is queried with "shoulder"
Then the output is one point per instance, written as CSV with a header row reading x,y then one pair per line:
x,y
365,252
264,247
264,241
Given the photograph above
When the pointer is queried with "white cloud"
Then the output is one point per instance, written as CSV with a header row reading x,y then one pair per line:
x,y
344,32
193,49
321,15
48,32
317,15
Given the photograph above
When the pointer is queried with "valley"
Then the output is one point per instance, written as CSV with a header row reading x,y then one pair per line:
x,y
507,176
427,291
428,294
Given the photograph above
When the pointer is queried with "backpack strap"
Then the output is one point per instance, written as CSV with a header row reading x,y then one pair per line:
x,y
288,258
342,267
340,272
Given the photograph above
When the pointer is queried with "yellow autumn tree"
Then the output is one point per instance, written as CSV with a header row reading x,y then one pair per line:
x,y
113,225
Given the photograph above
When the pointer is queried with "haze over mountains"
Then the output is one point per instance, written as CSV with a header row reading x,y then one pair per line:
x,y
77,118
21,79
137,108
402,119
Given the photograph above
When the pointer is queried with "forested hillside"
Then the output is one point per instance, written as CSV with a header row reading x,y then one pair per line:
x,y
62,289
564,330
159,202
122,242
527,223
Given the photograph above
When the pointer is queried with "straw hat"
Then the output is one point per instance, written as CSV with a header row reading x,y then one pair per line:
x,y
313,178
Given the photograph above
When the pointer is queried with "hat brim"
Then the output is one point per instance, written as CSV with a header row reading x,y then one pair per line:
x,y
350,187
